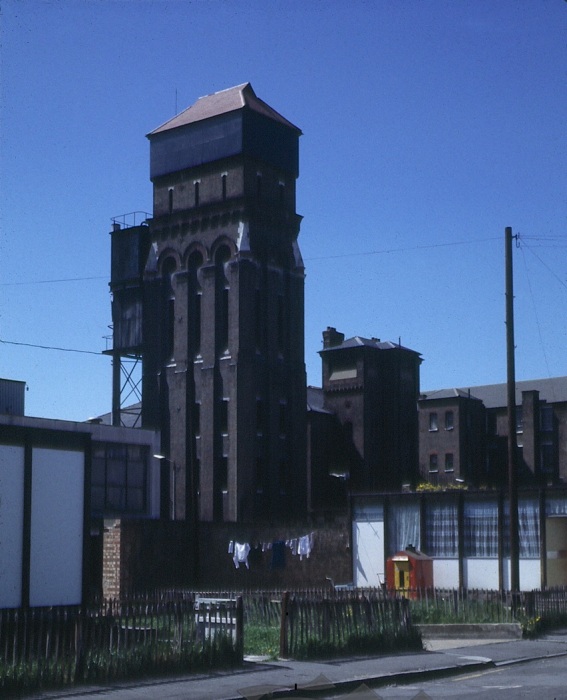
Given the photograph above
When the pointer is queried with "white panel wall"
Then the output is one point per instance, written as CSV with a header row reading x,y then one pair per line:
x,y
11,524
480,573
530,574
446,573
56,527
368,554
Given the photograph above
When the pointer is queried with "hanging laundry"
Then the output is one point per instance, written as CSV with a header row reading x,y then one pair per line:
x,y
292,544
304,546
241,551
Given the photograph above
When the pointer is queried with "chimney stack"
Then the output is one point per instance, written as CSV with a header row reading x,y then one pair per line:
x,y
332,338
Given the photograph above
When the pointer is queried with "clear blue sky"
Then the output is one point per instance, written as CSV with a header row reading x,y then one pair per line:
x,y
429,126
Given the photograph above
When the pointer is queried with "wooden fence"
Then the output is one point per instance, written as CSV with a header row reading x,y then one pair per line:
x,y
117,639
461,605
480,605
176,631
347,623
550,604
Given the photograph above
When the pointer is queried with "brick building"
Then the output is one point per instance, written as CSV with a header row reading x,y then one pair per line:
x,y
463,433
452,438
363,425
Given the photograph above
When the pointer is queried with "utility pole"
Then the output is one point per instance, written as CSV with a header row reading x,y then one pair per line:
x,y
512,445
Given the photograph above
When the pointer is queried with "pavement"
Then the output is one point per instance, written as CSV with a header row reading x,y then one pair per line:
x,y
262,679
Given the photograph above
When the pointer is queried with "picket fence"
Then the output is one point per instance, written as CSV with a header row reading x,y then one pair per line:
x,y
485,605
117,639
348,622
171,631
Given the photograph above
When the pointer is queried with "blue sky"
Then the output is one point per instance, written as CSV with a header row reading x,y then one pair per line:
x,y
428,127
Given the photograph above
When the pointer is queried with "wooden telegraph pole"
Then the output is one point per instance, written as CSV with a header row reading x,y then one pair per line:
x,y
512,445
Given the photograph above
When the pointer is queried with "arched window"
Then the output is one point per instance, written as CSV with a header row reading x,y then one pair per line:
x,y
194,297
168,309
221,300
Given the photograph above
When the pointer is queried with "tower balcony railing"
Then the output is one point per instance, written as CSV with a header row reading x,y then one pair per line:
x,y
131,219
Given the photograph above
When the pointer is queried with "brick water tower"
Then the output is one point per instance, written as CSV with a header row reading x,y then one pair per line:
x,y
221,338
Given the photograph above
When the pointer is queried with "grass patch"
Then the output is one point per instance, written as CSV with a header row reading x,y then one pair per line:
x,y
104,665
443,612
380,643
262,640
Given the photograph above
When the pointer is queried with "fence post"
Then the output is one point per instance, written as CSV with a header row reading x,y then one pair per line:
x,y
240,629
529,602
79,647
284,626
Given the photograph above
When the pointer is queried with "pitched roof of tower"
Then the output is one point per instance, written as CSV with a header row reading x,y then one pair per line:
x,y
358,341
223,102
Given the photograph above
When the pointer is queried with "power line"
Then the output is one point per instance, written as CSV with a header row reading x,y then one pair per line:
x,y
561,282
68,279
403,250
50,347
535,311
547,239
324,257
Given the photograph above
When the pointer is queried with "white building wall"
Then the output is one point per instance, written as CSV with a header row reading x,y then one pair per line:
x,y
368,546
446,573
11,524
530,574
480,573
57,517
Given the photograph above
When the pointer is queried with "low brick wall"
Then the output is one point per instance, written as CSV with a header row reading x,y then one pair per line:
x,y
140,555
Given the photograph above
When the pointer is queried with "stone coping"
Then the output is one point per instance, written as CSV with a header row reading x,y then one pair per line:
x,y
484,630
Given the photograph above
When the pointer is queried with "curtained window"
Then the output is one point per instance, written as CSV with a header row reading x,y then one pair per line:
x,y
480,523
555,506
441,525
528,528
403,525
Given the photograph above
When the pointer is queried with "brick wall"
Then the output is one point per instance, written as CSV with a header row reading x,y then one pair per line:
x,y
111,559
330,556
141,555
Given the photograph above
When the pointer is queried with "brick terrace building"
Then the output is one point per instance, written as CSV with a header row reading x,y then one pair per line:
x,y
463,433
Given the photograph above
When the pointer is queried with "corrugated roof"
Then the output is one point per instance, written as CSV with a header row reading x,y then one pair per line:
x,y
223,102
552,390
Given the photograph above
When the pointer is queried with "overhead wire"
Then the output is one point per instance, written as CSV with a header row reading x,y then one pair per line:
x,y
328,257
402,250
363,253
561,282
68,279
538,325
49,347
